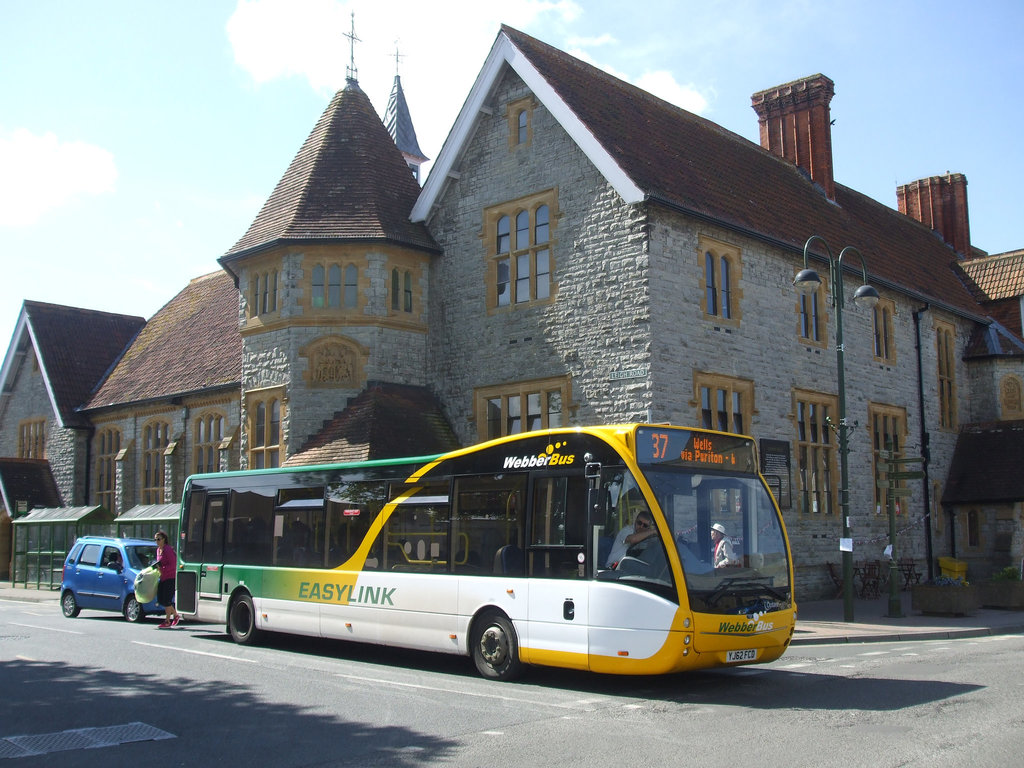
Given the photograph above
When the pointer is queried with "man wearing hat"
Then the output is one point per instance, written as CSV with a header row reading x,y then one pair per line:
x,y
724,555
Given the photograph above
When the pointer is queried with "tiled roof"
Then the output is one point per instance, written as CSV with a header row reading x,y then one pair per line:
x,y
688,163
986,464
348,182
191,344
993,340
76,349
28,480
997,277
386,421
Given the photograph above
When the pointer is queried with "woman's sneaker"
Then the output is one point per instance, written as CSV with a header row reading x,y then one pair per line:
x,y
165,625
176,620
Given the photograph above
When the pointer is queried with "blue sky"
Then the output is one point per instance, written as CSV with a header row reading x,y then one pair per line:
x,y
139,139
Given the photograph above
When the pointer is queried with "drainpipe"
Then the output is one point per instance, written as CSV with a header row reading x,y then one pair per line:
x,y
925,439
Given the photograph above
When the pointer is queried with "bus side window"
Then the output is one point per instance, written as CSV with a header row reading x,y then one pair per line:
x,y
192,549
351,509
488,524
252,516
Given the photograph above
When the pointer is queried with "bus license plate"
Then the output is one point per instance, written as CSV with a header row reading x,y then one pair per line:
x,y
749,654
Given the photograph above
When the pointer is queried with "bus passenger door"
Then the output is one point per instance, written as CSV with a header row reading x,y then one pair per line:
x,y
200,587
556,563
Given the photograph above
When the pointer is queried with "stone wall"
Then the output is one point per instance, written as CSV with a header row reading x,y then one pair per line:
x,y
593,328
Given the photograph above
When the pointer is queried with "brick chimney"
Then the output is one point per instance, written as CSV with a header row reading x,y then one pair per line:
x,y
795,124
939,202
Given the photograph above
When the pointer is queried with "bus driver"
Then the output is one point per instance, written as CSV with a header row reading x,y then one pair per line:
x,y
641,529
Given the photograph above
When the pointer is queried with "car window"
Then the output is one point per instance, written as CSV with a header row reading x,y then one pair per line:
x,y
112,558
90,554
140,557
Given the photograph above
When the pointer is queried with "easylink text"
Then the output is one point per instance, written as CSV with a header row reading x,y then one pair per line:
x,y
345,593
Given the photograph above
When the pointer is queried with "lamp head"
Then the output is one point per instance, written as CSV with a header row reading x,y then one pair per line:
x,y
806,281
865,297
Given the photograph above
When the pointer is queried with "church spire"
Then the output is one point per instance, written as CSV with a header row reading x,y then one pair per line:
x,y
399,124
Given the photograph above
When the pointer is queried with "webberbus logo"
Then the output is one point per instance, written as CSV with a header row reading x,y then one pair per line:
x,y
552,457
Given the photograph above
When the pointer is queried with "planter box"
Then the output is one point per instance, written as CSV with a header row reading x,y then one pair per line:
x,y
944,601
1002,594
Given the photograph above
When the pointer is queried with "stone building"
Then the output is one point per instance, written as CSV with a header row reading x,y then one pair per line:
x,y
581,252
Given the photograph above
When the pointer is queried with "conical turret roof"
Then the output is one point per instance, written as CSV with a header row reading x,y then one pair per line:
x,y
348,182
399,123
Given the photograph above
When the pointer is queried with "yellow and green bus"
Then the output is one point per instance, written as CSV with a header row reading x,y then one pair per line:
x,y
504,552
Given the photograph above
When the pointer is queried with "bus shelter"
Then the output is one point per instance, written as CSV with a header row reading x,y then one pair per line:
x,y
43,537
143,520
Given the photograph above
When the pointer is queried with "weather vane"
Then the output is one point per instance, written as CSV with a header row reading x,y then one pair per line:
x,y
351,73
398,57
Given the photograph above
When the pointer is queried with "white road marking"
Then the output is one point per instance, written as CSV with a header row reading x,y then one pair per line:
x,y
462,692
48,629
196,653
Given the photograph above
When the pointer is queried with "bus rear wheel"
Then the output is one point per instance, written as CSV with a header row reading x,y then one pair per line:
x,y
495,648
242,621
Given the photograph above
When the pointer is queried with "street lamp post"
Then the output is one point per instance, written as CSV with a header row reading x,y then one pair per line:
x,y
807,283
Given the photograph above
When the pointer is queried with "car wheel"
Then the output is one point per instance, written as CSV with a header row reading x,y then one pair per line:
x,y
495,648
132,610
242,621
68,605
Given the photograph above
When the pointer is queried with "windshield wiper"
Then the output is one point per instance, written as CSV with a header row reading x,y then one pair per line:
x,y
745,585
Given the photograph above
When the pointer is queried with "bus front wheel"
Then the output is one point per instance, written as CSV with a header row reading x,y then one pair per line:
x,y
495,648
242,621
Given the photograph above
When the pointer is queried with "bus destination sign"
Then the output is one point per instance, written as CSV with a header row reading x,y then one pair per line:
x,y
687,448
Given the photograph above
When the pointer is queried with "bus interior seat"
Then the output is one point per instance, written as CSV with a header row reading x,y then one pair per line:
x,y
508,560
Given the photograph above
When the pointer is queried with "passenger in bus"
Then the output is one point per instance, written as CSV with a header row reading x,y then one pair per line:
x,y
642,529
724,555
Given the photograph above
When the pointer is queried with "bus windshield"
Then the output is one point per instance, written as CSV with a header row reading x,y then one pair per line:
x,y
729,538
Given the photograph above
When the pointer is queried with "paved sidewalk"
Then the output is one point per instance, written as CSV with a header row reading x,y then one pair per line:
x,y
818,621
822,621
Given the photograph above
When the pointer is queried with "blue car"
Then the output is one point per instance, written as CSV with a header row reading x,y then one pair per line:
x,y
99,573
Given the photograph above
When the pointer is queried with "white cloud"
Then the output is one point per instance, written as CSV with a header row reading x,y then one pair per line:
x,y
663,84
274,39
591,42
41,173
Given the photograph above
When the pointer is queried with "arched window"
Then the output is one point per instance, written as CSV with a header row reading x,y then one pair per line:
x,y
265,434
973,529
351,286
504,239
318,286
407,294
208,431
155,437
521,121
395,291
726,288
710,284
108,445
334,286
521,266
